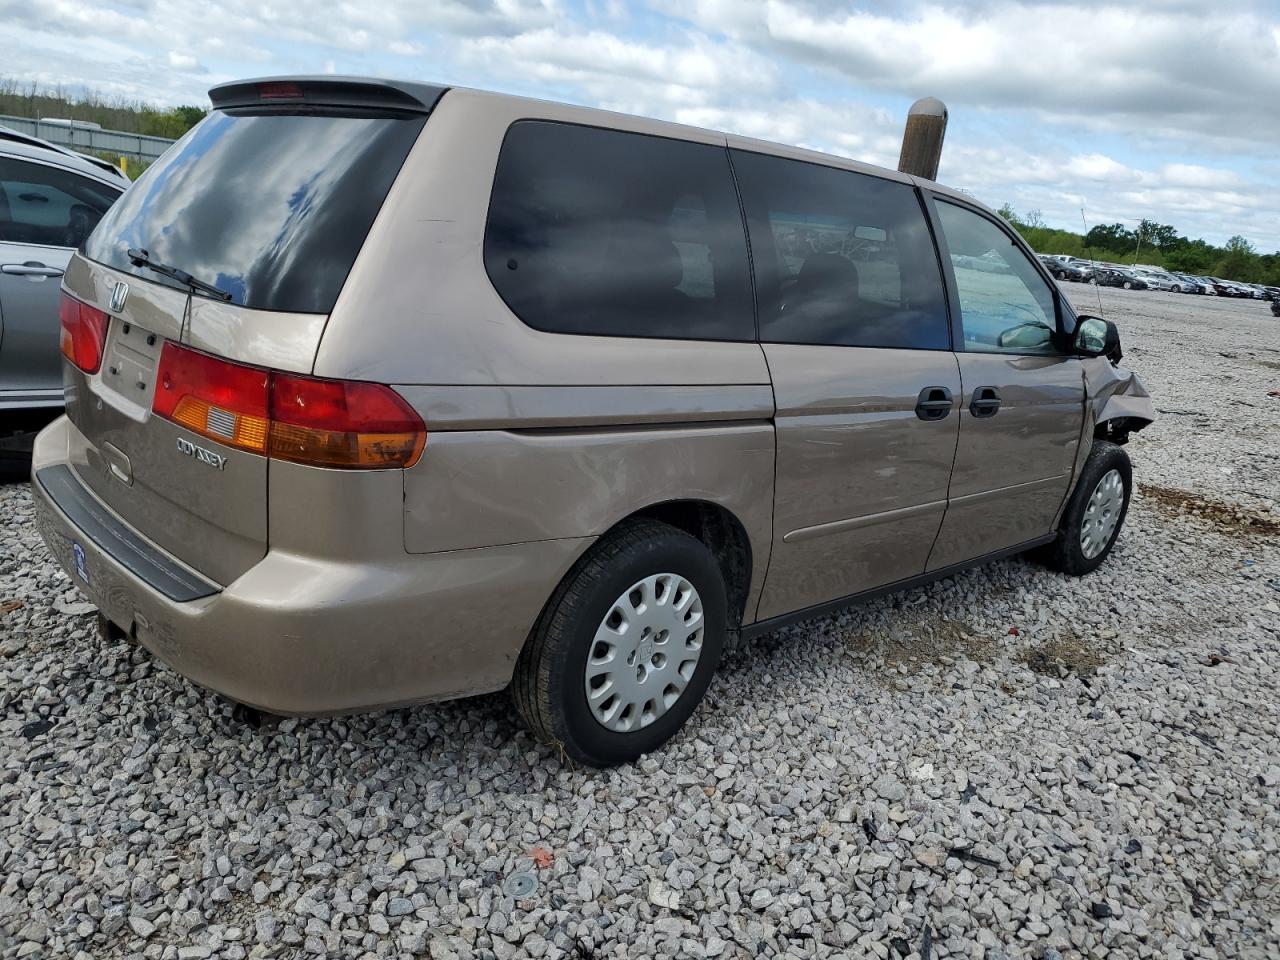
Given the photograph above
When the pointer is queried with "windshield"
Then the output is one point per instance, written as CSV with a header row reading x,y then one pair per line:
x,y
271,207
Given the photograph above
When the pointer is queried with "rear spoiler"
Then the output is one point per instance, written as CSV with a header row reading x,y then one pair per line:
x,y
367,93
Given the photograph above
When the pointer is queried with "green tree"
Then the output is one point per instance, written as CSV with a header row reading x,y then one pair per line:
x,y
1239,261
190,116
1158,235
1115,237
1008,213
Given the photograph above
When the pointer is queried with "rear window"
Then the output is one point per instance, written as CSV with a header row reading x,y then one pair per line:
x,y
596,231
271,207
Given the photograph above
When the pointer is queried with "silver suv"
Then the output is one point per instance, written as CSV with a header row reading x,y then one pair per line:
x,y
50,201
380,393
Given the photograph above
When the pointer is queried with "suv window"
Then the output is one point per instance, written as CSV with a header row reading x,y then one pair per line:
x,y
840,257
47,205
270,205
1006,306
595,231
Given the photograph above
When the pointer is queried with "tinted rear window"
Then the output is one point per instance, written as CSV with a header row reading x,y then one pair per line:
x,y
270,206
596,231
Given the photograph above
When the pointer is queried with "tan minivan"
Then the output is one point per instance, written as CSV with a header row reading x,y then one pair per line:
x,y
381,393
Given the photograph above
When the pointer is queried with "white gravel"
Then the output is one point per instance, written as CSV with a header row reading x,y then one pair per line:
x,y
1008,763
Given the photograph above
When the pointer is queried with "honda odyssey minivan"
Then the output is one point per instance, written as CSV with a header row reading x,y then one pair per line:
x,y
382,393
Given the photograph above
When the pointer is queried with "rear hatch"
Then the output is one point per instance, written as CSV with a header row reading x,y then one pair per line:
x,y
268,200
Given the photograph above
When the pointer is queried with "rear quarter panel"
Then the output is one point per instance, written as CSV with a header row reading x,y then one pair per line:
x,y
535,436
571,462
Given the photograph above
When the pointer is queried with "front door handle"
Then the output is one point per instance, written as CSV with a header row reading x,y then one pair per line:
x,y
934,403
985,402
32,268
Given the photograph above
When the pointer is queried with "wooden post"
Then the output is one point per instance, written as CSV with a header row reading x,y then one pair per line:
x,y
922,138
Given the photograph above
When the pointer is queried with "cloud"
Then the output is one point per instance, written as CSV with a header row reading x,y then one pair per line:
x,y
1182,66
184,61
626,74
1157,109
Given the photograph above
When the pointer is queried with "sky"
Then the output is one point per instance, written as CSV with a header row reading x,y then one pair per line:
x,y
1165,109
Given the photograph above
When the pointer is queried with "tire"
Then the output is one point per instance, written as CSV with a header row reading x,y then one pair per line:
x,y
1128,285
1067,554
551,675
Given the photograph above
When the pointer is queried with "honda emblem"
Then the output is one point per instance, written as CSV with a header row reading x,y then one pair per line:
x,y
119,295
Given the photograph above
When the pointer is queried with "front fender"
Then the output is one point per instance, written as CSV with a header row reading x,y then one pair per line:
x,y
1115,400
1116,395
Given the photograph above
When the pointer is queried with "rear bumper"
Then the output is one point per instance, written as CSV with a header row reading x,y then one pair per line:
x,y
299,634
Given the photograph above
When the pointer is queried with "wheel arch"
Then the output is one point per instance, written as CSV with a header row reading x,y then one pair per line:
x,y
721,532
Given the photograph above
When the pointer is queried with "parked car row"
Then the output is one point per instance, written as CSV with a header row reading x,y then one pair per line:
x,y
1064,267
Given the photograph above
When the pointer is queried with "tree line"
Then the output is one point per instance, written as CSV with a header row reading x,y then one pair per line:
x,y
1157,244
32,101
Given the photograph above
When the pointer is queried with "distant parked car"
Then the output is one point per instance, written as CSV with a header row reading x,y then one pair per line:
x,y
1120,277
50,199
1065,269
1157,280
1190,284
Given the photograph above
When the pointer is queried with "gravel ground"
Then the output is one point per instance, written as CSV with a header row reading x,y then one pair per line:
x,y
1008,763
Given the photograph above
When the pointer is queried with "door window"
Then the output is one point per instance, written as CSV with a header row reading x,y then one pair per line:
x,y
840,257
49,206
595,231
1006,306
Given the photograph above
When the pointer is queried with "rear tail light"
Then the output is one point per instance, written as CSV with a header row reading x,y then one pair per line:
x,y
84,332
347,424
342,423
220,400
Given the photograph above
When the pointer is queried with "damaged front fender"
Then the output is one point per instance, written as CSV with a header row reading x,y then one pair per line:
x,y
1118,402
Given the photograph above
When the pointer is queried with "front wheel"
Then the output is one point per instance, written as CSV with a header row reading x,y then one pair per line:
x,y
626,647
1128,285
1094,514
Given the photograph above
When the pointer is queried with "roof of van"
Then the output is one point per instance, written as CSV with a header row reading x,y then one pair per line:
x,y
422,97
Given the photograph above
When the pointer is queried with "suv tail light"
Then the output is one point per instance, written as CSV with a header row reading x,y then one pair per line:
x,y
84,332
347,424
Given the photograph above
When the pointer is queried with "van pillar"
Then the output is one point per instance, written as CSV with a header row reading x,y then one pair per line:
x,y
922,138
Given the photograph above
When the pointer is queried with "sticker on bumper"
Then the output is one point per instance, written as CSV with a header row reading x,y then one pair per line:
x,y
82,565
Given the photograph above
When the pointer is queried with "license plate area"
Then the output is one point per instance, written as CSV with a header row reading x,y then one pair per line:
x,y
133,353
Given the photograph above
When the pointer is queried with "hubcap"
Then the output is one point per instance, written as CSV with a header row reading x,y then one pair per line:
x,y
644,653
1102,514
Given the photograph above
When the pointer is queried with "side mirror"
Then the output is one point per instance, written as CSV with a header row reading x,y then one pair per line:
x,y
1096,337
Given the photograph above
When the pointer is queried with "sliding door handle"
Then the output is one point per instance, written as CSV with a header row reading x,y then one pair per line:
x,y
985,402
934,403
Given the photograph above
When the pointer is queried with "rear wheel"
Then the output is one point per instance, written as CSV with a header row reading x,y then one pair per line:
x,y
626,647
1094,514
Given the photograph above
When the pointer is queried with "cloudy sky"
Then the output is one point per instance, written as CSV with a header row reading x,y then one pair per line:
x,y
1168,109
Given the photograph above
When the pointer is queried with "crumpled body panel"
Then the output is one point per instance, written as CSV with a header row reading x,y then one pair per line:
x,y
1114,392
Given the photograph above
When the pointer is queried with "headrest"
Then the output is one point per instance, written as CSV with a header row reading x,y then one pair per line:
x,y
828,269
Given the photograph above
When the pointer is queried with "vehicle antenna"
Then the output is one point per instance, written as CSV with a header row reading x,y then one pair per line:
x,y
1089,251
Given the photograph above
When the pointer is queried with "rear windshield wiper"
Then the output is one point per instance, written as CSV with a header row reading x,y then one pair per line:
x,y
140,258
